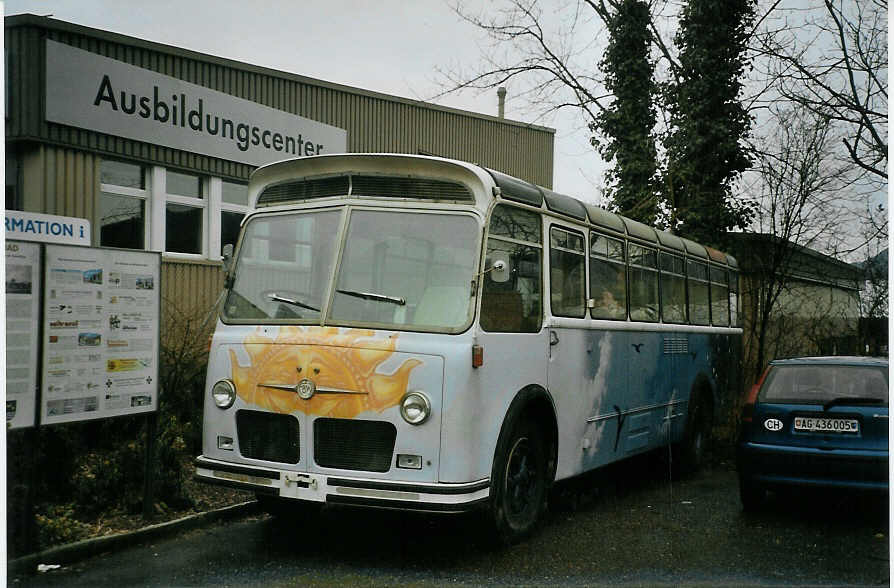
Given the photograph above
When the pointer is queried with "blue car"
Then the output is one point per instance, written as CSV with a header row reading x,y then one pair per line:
x,y
815,422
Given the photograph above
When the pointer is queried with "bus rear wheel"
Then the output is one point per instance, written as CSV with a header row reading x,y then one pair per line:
x,y
519,484
693,449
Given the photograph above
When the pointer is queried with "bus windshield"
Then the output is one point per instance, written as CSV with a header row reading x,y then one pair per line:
x,y
399,270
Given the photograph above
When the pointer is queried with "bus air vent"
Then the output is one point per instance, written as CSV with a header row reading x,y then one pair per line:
x,y
268,436
405,187
354,444
303,190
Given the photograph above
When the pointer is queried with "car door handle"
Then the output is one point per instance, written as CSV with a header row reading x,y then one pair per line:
x,y
553,338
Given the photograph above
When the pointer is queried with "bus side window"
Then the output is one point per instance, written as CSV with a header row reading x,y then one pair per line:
x,y
566,273
511,302
673,288
643,283
719,297
608,277
699,303
734,299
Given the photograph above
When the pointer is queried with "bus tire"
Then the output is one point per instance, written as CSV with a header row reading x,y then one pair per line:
x,y
519,484
693,449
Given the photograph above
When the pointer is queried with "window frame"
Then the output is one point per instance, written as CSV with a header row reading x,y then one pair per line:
x,y
607,259
501,238
669,274
583,264
144,194
640,267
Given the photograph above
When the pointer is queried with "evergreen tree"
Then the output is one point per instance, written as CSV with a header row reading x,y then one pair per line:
x,y
628,122
705,143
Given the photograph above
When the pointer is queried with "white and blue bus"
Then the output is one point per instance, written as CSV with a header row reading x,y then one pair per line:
x,y
417,333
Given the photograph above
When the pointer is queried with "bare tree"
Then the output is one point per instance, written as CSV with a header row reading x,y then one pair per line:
x,y
803,205
833,60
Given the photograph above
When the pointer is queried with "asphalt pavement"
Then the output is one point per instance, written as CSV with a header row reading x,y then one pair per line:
x,y
629,525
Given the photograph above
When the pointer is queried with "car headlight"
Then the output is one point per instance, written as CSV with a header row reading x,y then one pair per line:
x,y
415,407
224,393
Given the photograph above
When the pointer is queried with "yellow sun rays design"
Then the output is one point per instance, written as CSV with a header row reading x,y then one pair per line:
x,y
332,358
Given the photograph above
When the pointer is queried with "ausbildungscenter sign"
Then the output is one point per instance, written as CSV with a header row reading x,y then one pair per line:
x,y
93,92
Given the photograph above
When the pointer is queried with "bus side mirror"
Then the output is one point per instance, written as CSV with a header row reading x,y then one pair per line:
x,y
228,257
499,271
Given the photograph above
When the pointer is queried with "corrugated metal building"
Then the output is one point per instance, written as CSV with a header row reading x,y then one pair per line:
x,y
154,144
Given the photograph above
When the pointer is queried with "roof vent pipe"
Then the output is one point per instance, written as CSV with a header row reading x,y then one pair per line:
x,y
501,95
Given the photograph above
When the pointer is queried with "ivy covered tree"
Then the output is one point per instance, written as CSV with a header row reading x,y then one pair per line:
x,y
627,123
708,123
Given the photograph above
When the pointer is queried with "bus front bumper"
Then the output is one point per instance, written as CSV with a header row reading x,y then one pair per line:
x,y
445,498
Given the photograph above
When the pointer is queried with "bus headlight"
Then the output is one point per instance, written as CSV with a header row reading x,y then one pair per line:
x,y
415,407
224,393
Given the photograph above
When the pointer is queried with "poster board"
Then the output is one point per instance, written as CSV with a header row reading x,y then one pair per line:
x,y
23,282
101,315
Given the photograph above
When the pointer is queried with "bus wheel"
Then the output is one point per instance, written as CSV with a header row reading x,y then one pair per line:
x,y
519,486
693,450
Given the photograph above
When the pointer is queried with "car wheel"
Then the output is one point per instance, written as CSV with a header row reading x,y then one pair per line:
x,y
519,484
751,494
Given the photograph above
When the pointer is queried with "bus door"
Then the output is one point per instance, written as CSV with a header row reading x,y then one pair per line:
x,y
570,344
512,334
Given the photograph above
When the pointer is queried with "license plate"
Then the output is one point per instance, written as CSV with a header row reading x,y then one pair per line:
x,y
826,425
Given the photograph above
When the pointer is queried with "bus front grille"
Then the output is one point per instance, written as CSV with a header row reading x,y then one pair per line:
x,y
354,444
268,436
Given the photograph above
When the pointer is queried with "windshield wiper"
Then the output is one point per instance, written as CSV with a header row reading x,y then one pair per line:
x,y
374,296
852,400
276,297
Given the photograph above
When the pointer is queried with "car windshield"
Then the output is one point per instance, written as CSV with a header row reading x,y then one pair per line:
x,y
399,269
821,384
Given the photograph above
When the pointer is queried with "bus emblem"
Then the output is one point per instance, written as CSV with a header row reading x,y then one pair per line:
x,y
306,389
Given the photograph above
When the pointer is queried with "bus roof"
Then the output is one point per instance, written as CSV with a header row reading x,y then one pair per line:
x,y
436,179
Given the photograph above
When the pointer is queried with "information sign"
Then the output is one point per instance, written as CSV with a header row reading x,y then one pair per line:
x,y
100,333
23,280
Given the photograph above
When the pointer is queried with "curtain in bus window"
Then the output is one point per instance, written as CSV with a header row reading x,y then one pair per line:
x,y
608,277
567,273
643,284
699,303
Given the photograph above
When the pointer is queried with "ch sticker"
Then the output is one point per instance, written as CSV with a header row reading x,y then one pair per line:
x,y
773,424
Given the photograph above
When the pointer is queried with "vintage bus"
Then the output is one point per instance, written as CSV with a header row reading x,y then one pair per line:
x,y
412,332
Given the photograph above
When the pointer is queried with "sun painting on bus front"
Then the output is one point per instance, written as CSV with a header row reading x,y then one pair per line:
x,y
333,359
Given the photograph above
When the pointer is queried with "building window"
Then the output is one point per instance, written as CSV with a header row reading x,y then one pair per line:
x,y
184,213
160,209
122,205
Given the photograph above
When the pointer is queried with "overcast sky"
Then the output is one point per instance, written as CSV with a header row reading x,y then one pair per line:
x,y
390,46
